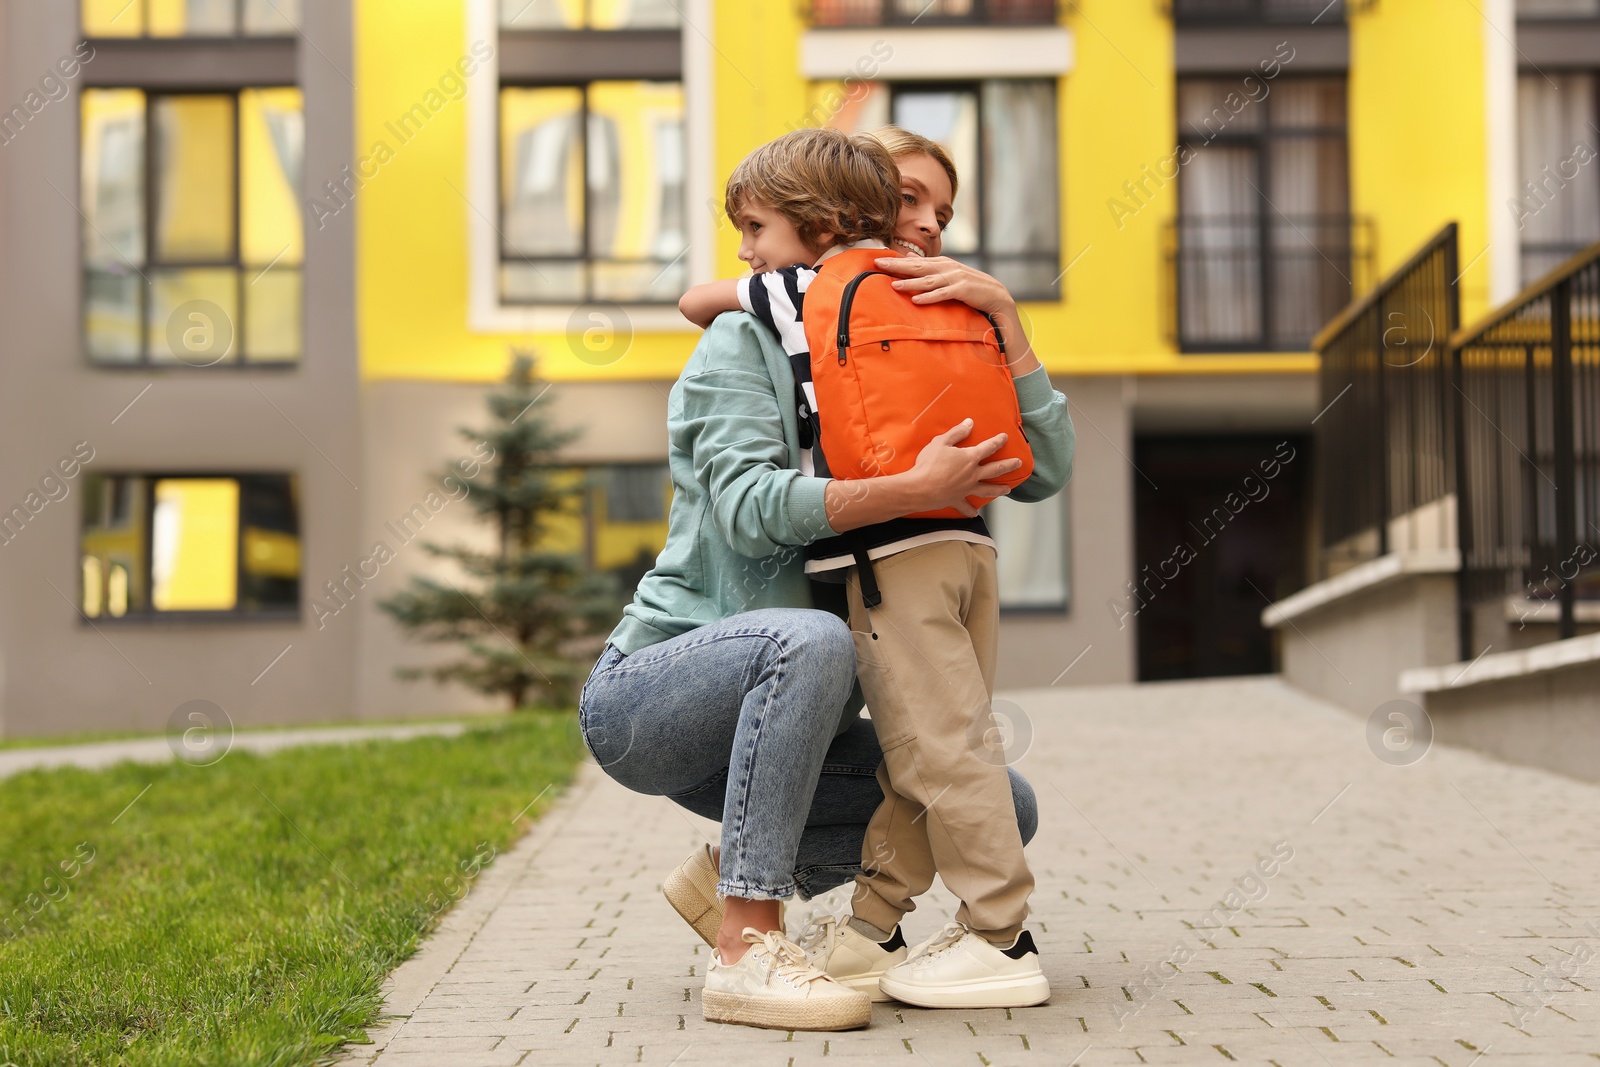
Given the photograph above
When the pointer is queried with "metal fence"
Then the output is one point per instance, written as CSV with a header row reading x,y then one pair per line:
x,y
1527,402
832,13
1384,434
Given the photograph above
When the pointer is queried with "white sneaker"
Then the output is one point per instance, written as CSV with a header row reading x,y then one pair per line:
x,y
773,986
959,969
848,957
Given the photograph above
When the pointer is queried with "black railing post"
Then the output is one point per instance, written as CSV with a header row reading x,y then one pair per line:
x,y
1452,398
1565,462
1381,426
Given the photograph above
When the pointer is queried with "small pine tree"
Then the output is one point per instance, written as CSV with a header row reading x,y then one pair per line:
x,y
525,610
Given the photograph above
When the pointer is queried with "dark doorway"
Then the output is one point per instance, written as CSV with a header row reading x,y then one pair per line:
x,y
1219,534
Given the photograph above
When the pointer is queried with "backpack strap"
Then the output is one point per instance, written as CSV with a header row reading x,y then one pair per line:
x,y
871,595
810,435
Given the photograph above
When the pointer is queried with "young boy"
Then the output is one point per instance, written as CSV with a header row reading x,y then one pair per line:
x,y
925,655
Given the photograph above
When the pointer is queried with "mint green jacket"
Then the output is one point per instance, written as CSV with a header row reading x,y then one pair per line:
x,y
741,510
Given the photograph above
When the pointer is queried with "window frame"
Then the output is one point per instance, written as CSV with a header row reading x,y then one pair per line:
x,y
238,33
695,60
1061,501
148,175
585,25
1558,251
151,615
1262,142
889,14
586,259
1313,14
983,257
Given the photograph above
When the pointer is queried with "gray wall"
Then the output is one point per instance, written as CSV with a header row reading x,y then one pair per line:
x,y
1543,720
1351,652
59,673
409,435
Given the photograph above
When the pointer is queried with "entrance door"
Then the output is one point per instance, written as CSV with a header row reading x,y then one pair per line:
x,y
1218,536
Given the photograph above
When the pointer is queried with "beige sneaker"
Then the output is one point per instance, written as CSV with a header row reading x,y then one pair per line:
x,y
959,969
850,958
692,892
773,986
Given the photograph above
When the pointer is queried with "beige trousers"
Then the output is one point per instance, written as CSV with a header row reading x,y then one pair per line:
x,y
925,657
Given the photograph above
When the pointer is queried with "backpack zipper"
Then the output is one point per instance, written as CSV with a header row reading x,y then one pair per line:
x,y
843,340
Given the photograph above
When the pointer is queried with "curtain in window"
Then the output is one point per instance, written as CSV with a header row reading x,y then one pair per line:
x,y
1560,213
1309,183
1032,552
950,117
1021,220
1263,257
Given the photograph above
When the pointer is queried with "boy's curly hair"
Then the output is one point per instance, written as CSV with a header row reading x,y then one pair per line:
x,y
821,181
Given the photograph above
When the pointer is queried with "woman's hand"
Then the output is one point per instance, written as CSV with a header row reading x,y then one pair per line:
x,y
930,280
944,475
950,473
935,278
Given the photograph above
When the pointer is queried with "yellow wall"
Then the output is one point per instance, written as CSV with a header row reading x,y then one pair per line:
x,y
412,274
1418,139
1116,114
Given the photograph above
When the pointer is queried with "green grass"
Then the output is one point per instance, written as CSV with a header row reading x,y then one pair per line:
x,y
246,912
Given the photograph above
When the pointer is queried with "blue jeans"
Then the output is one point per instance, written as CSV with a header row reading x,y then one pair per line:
x,y
738,721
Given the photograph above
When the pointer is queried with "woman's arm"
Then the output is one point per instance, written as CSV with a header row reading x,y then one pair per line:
x,y
944,475
942,278
702,303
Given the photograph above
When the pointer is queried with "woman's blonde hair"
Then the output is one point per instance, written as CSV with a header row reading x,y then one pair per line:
x,y
821,181
901,143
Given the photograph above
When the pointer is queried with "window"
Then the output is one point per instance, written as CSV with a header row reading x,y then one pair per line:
x,y
1558,198
1236,11
588,14
190,18
931,12
592,193
1031,546
155,545
1263,251
1001,135
192,235
622,525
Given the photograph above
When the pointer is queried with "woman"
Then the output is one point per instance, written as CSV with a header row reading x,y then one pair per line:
x,y
724,687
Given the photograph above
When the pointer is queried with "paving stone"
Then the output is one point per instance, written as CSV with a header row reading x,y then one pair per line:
x,y
1422,912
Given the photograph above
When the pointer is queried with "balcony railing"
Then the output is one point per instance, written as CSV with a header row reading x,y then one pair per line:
x,y
1384,432
1497,425
1248,284
1527,395
836,13
1234,12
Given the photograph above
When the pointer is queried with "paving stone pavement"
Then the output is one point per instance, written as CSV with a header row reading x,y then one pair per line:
x,y
1413,915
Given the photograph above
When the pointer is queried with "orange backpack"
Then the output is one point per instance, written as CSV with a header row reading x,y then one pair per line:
x,y
890,374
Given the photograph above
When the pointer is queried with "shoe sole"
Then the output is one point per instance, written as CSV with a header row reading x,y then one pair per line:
x,y
690,901
777,1013
868,984
1023,992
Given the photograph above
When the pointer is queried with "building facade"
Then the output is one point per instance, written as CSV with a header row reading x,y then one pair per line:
x,y
262,259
